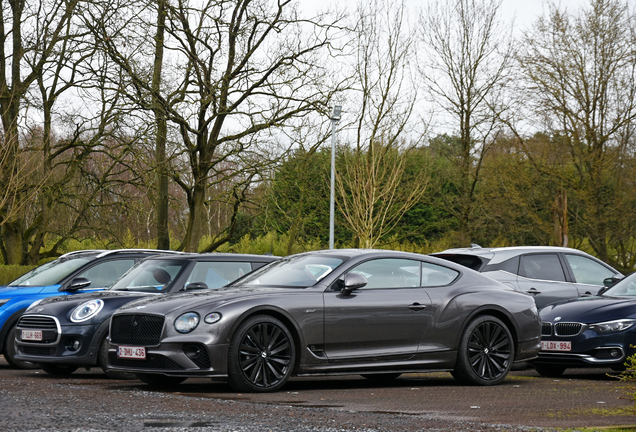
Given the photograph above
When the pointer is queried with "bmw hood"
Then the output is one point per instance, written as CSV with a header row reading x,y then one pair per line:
x,y
165,304
590,310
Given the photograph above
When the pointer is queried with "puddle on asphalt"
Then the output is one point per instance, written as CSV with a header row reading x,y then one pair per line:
x,y
179,424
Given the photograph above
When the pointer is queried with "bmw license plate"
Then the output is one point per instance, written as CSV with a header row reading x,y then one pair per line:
x,y
131,352
32,335
556,346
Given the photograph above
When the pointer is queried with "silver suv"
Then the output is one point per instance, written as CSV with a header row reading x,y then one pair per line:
x,y
547,273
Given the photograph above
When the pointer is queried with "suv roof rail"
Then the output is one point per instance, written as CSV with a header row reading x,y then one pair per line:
x,y
115,251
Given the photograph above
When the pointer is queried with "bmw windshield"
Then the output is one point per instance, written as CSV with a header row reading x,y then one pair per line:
x,y
299,272
51,273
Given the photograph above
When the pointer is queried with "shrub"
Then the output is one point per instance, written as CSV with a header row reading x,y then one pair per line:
x,y
9,273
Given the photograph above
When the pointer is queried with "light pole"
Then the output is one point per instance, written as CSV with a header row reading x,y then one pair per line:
x,y
335,118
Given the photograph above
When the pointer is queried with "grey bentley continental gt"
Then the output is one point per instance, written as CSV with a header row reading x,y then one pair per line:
x,y
376,313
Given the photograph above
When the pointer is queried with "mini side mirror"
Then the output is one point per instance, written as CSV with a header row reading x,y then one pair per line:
x,y
352,282
196,286
77,283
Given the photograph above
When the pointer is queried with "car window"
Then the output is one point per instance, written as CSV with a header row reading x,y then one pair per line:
x,y
542,267
103,275
299,271
436,275
217,274
588,271
50,273
151,275
390,273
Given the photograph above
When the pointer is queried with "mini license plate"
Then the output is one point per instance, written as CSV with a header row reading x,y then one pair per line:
x,y
130,352
556,346
32,335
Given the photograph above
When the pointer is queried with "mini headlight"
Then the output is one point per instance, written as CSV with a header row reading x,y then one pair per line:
x,y
87,310
213,317
186,322
612,326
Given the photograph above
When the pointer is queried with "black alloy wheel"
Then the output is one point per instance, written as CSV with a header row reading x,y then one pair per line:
x,y
261,355
10,352
486,352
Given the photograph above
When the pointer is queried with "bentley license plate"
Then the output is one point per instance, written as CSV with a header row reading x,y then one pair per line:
x,y
32,335
130,352
556,346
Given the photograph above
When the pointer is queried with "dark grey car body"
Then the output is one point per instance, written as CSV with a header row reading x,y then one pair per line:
x,y
386,327
548,273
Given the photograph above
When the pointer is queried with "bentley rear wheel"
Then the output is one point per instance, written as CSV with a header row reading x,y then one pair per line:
x,y
485,353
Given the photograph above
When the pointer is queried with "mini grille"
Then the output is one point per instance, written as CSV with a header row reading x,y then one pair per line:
x,y
567,329
39,351
38,322
136,329
546,329
198,353
152,361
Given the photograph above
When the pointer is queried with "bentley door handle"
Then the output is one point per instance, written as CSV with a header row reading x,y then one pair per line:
x,y
417,307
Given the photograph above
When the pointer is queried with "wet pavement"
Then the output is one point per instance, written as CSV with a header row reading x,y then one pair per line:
x,y
87,400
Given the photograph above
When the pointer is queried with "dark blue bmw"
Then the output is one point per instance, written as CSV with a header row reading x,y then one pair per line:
x,y
597,331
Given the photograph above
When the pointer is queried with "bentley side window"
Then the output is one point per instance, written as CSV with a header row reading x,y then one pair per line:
x,y
390,273
436,275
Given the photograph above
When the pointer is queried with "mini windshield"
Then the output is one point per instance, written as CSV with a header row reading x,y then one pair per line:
x,y
150,276
626,287
51,273
299,271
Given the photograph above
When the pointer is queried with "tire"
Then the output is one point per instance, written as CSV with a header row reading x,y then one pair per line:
x,y
102,361
381,376
10,352
485,353
58,370
550,370
160,380
261,355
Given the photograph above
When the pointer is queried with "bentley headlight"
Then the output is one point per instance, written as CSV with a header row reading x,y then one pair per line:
x,y
612,326
186,322
213,317
87,310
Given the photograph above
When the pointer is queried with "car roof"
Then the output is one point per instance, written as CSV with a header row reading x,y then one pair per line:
x,y
218,256
501,254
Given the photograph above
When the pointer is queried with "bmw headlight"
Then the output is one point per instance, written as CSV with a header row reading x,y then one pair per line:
x,y
186,322
213,317
87,310
612,326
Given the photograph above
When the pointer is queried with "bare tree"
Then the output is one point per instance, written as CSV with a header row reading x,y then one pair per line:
x,y
371,177
240,68
580,71
467,57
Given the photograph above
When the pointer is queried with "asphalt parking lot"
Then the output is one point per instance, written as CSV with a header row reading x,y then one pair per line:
x,y
86,400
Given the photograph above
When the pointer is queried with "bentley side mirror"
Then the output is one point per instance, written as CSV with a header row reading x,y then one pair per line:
x,y
196,286
77,283
352,282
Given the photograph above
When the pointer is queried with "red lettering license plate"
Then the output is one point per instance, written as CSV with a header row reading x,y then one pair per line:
x,y
130,352
556,346
31,335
